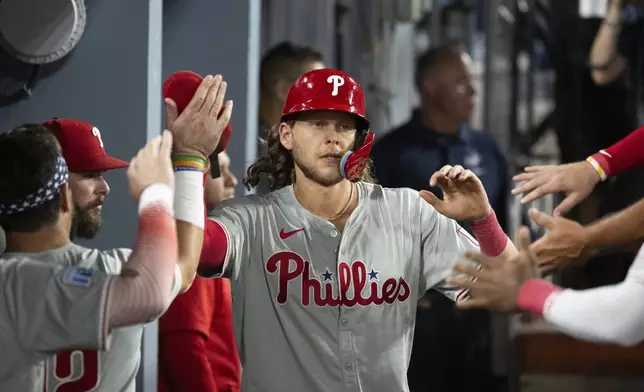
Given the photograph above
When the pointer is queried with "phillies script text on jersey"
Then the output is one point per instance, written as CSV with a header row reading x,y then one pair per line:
x,y
351,278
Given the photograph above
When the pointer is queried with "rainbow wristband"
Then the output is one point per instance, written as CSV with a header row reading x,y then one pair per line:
x,y
189,163
598,168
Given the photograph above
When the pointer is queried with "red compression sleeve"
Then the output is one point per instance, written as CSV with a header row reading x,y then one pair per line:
x,y
215,243
623,155
492,240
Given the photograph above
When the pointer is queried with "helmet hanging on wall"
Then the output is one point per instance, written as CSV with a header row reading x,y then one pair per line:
x,y
35,33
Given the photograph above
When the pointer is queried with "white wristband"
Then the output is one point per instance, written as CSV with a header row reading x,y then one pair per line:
x,y
158,193
189,197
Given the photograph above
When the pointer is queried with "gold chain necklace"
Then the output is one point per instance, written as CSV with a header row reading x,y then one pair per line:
x,y
341,213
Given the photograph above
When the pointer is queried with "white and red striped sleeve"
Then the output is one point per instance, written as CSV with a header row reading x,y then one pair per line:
x,y
608,314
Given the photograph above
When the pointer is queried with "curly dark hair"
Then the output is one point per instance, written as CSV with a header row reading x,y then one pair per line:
x,y
277,166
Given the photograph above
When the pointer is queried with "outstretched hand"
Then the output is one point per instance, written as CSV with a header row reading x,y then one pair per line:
x,y
152,165
577,180
199,127
565,240
464,198
496,285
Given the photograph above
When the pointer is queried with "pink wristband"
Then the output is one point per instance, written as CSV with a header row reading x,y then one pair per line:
x,y
533,295
492,240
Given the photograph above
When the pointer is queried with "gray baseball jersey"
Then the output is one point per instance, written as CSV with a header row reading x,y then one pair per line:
x,y
320,310
55,301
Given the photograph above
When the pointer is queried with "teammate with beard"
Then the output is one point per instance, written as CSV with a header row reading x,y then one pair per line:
x,y
326,269
52,299
84,152
196,135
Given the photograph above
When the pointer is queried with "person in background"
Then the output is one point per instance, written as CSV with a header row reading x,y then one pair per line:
x,y
447,342
279,69
197,350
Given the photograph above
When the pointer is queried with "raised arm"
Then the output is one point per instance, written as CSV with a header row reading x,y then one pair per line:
x,y
606,63
577,180
197,132
566,240
444,241
609,314
44,302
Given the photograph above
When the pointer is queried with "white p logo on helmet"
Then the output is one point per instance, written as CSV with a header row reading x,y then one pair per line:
x,y
337,81
97,133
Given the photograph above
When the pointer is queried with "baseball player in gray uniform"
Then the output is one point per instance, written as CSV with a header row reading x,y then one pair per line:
x,y
327,268
62,346
57,295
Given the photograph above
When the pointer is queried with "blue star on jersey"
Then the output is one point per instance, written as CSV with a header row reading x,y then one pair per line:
x,y
373,274
328,275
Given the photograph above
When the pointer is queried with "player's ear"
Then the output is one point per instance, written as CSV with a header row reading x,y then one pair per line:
x,y
66,202
286,135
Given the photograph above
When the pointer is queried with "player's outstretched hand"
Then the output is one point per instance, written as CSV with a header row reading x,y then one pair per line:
x,y
464,198
577,180
496,285
152,165
198,128
565,241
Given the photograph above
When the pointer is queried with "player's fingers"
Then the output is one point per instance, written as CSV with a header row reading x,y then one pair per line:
x,y
524,177
219,100
227,113
165,149
435,177
523,239
455,171
536,168
445,169
537,193
480,258
200,95
468,269
211,97
528,185
567,204
473,303
432,200
464,283
152,148
541,218
466,175
171,111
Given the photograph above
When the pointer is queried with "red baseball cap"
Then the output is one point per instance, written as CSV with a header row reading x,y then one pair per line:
x,y
181,87
82,146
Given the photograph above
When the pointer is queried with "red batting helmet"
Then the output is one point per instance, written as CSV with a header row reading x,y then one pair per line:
x,y
331,89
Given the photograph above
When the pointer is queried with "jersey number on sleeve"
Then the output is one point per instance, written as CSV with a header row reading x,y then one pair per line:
x,y
76,371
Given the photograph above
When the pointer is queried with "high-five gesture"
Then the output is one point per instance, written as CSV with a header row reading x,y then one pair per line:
x,y
496,285
198,128
464,198
565,240
577,180
152,165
